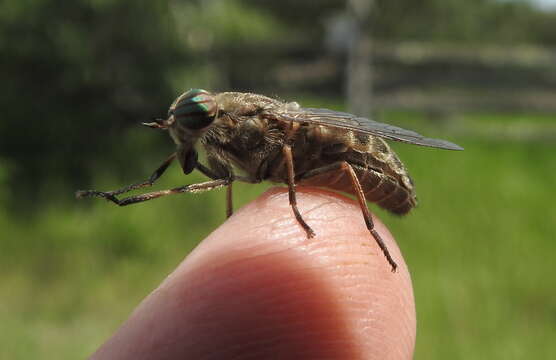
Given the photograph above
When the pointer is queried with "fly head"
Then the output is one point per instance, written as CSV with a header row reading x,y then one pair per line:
x,y
189,117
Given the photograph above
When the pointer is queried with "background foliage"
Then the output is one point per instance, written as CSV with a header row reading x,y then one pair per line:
x,y
79,76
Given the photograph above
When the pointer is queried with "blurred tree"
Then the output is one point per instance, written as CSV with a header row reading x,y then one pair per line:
x,y
472,21
438,20
74,74
226,37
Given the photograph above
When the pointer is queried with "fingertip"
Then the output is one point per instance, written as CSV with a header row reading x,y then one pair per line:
x,y
258,287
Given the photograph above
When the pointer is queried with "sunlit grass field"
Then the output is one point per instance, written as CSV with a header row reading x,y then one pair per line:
x,y
480,248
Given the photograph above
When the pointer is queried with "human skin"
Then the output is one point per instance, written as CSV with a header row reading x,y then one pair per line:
x,y
258,288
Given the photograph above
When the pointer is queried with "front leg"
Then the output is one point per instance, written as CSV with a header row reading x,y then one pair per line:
x,y
193,188
112,194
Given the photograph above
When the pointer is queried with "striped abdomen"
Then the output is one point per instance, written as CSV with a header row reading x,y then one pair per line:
x,y
382,176
384,190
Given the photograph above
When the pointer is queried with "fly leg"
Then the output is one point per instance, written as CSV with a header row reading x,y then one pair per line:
x,y
229,199
111,195
193,188
348,169
287,151
149,182
211,174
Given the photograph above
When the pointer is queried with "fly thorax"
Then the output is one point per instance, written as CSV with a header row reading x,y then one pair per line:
x,y
252,133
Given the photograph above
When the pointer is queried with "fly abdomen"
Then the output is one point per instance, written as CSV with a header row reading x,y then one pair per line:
x,y
383,178
385,190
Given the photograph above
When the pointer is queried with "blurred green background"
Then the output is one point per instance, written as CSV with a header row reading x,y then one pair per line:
x,y
78,77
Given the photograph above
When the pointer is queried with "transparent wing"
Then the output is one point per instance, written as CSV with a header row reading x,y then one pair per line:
x,y
344,120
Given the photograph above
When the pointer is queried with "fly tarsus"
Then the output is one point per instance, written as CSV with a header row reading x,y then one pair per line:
x,y
110,196
80,194
384,249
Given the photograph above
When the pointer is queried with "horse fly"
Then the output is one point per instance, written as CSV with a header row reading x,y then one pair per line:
x,y
267,139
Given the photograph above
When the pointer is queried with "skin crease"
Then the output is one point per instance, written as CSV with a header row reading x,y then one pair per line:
x,y
257,288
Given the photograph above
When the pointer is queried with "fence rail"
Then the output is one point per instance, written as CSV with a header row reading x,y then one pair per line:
x,y
410,75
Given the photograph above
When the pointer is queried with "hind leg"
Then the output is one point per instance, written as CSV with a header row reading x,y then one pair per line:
x,y
346,168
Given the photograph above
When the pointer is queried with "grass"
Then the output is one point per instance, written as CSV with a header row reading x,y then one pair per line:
x,y
480,248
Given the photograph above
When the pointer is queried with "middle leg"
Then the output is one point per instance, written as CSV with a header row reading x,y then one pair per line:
x,y
287,152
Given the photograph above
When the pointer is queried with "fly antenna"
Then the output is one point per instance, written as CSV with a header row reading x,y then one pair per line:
x,y
157,123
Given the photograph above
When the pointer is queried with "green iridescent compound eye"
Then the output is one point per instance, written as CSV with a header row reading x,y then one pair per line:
x,y
195,109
